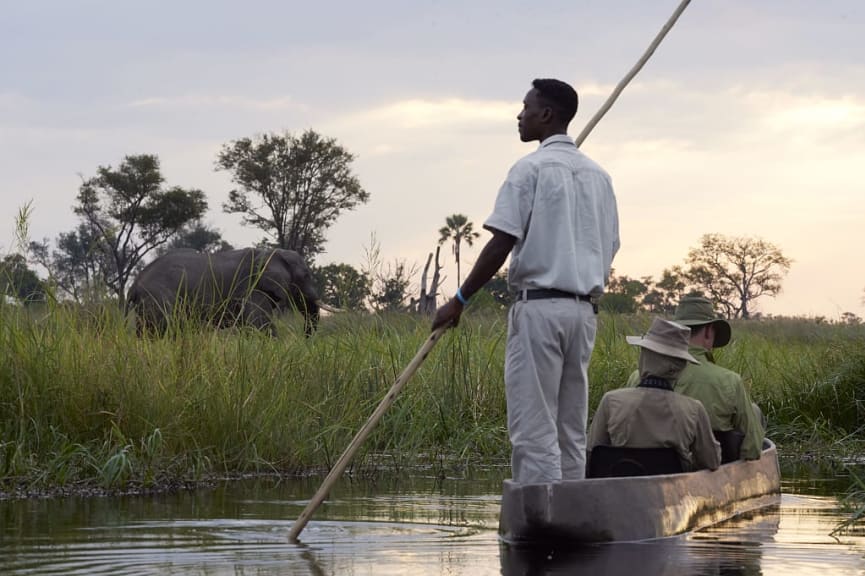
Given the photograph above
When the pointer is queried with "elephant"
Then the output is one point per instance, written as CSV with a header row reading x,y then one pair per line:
x,y
236,287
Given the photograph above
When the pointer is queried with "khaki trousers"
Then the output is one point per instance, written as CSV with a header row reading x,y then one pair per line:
x,y
549,345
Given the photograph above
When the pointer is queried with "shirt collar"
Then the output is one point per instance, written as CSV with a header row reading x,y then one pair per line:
x,y
557,139
701,354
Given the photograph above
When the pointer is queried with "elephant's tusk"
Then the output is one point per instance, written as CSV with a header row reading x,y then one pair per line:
x,y
328,308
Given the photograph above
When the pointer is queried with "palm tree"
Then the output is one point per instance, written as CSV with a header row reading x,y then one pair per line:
x,y
458,229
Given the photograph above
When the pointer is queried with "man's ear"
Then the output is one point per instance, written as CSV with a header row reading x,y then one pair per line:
x,y
710,333
547,115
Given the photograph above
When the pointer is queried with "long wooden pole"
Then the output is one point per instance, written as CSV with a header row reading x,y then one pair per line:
x,y
362,434
633,72
421,355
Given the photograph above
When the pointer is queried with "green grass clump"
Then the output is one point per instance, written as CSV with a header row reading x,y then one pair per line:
x,y
83,401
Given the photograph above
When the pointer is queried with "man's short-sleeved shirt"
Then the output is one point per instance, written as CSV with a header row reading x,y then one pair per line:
x,y
560,206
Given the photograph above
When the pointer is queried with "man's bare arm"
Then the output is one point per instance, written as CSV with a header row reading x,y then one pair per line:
x,y
491,259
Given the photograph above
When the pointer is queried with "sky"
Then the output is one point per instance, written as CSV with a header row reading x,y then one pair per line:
x,y
749,120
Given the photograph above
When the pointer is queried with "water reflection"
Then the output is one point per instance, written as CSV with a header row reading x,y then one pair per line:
x,y
733,549
418,526
616,560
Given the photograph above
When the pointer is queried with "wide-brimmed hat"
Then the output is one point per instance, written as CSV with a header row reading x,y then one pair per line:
x,y
667,338
698,311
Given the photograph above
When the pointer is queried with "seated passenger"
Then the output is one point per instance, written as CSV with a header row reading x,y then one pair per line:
x,y
721,391
652,415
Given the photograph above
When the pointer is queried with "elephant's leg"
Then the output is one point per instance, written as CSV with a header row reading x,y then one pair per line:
x,y
310,320
151,324
258,313
149,319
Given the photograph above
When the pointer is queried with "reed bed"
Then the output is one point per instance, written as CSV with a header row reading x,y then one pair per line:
x,y
85,403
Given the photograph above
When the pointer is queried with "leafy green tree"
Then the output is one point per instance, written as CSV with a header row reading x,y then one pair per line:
x,y
390,290
623,294
664,295
131,213
19,281
341,285
76,265
498,289
389,285
292,188
736,271
850,319
198,236
457,229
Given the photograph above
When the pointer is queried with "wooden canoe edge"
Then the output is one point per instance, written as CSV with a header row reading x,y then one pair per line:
x,y
637,508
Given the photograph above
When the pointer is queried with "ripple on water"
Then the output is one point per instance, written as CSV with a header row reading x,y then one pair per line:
x,y
418,532
211,546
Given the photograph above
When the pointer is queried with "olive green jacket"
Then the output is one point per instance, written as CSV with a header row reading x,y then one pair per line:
x,y
655,418
724,396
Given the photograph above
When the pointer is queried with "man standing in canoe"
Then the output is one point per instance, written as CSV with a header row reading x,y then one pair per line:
x,y
556,215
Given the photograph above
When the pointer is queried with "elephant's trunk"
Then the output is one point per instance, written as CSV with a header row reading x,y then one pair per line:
x,y
310,317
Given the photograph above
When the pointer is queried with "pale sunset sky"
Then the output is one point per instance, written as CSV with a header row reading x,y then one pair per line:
x,y
748,121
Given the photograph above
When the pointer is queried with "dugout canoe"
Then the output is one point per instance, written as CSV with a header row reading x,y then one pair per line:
x,y
637,507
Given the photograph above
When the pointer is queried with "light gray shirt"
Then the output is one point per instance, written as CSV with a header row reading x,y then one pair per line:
x,y
560,206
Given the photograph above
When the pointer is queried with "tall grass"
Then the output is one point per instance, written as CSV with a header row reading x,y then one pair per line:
x,y
84,401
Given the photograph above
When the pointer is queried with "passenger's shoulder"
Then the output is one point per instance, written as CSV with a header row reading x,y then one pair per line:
x,y
727,374
714,370
621,393
690,403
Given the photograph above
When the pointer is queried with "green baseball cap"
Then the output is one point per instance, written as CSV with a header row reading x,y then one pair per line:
x,y
698,311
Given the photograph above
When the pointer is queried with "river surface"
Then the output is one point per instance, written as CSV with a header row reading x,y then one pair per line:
x,y
414,525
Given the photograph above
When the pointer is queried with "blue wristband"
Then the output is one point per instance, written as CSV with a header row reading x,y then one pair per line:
x,y
461,298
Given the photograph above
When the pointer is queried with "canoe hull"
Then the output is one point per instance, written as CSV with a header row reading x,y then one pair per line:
x,y
636,508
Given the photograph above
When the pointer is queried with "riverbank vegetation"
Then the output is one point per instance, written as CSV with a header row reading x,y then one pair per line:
x,y
86,404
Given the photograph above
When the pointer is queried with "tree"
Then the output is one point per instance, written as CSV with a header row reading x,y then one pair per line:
x,y
389,285
390,288
664,295
623,294
292,188
341,285
498,288
198,236
76,265
426,301
736,271
18,280
130,213
458,229
850,319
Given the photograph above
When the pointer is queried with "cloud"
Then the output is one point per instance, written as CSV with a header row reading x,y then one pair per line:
x,y
426,114
211,101
11,101
817,115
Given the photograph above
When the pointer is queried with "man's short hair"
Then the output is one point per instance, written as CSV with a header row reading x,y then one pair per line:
x,y
560,96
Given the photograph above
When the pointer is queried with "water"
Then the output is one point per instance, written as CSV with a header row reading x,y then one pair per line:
x,y
418,526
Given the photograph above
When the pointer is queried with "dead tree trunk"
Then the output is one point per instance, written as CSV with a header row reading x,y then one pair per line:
x,y
426,304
